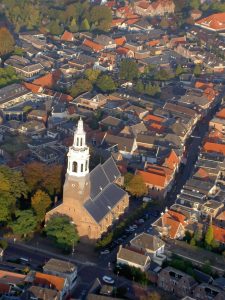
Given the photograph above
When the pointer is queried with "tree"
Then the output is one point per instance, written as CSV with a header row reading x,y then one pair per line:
x,y
92,75
152,90
12,182
38,175
163,74
128,69
100,18
197,70
188,236
55,28
206,268
179,70
6,42
136,186
209,235
139,87
195,4
84,26
81,86
73,26
40,202
25,223
106,84
127,178
8,76
7,206
62,231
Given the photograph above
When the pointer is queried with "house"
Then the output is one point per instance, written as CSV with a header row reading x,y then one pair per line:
x,y
158,179
219,234
206,291
171,224
95,47
67,36
211,208
31,127
214,147
98,200
40,293
48,281
136,111
218,124
105,41
214,22
151,245
63,269
90,101
114,143
10,282
111,123
159,7
176,282
132,258
13,94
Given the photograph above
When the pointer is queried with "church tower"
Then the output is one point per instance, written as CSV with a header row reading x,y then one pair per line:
x,y
78,155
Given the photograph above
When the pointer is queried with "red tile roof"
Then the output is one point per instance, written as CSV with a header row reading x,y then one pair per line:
x,y
52,281
153,43
203,85
215,22
67,36
172,160
177,216
214,147
33,87
219,234
94,46
155,175
154,118
221,113
172,222
202,173
120,41
48,80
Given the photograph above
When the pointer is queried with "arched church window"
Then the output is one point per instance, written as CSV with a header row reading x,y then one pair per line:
x,y
86,165
82,167
75,166
81,142
77,141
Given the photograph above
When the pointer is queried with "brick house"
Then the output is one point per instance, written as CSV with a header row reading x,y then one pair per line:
x,y
175,281
206,291
157,8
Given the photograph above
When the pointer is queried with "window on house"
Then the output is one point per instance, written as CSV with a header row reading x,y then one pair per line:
x,y
74,166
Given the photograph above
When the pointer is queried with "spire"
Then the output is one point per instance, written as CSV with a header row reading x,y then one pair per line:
x,y
78,155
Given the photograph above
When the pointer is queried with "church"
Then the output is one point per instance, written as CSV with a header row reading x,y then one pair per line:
x,y
93,200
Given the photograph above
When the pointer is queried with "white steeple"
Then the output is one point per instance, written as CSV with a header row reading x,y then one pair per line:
x,y
78,155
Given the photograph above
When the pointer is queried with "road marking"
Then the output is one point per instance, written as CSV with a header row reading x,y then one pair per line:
x,y
195,137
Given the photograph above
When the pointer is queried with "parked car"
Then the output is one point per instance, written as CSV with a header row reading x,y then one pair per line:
x,y
108,280
106,251
141,221
147,199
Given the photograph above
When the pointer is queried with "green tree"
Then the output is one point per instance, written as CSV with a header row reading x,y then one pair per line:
x,y
197,70
127,178
25,223
152,90
106,84
3,244
55,28
84,26
179,70
40,202
128,69
164,23
206,268
209,235
163,74
188,236
100,18
81,86
62,231
73,26
92,75
8,76
139,87
12,182
7,206
136,187
192,242
6,42
195,4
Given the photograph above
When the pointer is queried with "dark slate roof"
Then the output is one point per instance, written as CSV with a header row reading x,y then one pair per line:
x,y
111,170
104,194
101,205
